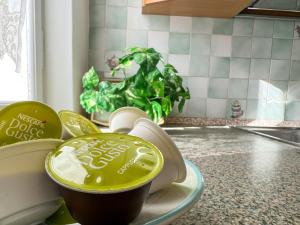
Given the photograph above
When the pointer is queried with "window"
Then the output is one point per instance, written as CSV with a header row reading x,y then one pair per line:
x,y
19,38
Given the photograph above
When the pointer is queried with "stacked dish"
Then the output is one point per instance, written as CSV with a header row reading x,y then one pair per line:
x,y
104,178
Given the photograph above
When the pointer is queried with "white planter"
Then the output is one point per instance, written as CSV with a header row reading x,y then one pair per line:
x,y
27,195
122,120
174,167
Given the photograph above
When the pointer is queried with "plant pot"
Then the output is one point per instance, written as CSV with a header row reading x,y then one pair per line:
x,y
174,167
101,118
122,120
104,178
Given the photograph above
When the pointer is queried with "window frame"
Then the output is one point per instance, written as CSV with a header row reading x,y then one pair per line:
x,y
35,51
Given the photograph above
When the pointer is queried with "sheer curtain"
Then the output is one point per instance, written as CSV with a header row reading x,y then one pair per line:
x,y
14,51
12,20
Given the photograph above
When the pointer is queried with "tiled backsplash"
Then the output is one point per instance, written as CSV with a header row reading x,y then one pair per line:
x,y
253,60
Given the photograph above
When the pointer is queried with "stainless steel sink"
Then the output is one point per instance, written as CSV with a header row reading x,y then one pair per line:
x,y
287,135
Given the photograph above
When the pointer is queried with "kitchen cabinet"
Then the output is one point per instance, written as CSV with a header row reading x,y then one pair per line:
x,y
202,8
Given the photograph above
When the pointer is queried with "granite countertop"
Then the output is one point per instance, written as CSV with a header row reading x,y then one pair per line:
x,y
249,179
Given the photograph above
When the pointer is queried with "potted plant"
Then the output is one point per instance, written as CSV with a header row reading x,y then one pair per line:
x,y
150,89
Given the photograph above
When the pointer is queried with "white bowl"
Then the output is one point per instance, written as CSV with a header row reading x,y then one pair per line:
x,y
27,195
122,120
174,167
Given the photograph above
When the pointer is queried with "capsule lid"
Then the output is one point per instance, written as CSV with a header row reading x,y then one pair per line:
x,y
76,124
28,120
104,163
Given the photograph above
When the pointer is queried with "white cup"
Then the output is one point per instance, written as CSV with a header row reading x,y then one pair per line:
x,y
122,120
27,194
174,167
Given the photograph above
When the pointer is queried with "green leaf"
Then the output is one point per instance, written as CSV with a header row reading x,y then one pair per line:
x,y
90,79
157,111
159,88
181,105
167,105
88,101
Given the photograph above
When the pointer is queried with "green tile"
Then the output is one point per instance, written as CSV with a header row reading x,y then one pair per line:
x,y
295,70
260,69
294,91
138,38
116,17
97,16
283,29
275,111
256,109
200,44
282,48
292,110
238,88
96,38
280,69
267,4
219,67
243,27
115,40
223,26
95,2
239,67
297,28
118,2
261,47
257,89
202,25
277,91
199,66
263,28
218,88
135,3
179,43
241,47
243,104
284,4
296,50
159,23
96,59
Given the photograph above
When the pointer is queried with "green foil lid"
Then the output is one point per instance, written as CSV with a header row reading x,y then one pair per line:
x,y
77,125
29,120
104,163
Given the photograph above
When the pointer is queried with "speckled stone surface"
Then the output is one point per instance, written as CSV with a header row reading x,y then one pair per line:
x,y
198,121
249,179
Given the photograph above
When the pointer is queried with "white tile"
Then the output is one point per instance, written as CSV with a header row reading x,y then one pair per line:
x,y
221,45
202,25
216,108
181,24
135,19
159,40
181,63
296,49
198,86
196,107
257,89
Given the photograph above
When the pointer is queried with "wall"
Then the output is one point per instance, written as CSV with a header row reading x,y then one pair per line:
x,y
253,60
66,51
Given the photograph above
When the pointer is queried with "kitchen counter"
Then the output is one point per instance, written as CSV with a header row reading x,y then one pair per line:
x,y
249,179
